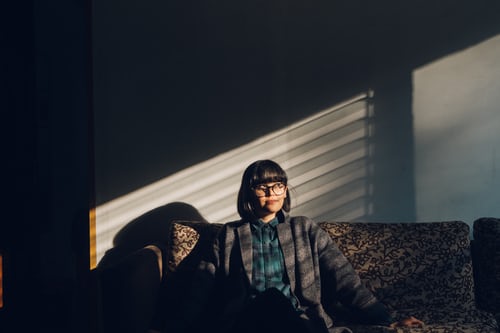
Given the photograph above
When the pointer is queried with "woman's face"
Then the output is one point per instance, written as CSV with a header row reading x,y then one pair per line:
x,y
269,199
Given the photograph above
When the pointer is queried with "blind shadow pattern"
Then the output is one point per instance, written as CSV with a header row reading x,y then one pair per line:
x,y
327,157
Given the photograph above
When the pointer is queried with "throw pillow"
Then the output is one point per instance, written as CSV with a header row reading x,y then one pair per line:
x,y
183,240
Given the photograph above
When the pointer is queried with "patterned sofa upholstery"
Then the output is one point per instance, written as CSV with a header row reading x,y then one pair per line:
x,y
419,269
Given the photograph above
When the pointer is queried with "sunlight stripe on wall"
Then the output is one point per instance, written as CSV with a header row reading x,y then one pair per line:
x,y
326,156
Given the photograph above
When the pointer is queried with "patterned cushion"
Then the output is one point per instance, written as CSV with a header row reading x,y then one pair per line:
x,y
189,242
419,269
183,241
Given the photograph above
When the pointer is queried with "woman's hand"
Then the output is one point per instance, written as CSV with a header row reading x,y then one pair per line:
x,y
408,322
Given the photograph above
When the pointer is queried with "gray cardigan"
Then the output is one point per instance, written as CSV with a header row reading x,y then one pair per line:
x,y
319,274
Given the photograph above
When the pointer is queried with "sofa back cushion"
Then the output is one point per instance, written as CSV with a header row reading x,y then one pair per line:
x,y
189,243
410,265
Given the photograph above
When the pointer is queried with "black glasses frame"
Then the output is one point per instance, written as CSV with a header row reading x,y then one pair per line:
x,y
264,190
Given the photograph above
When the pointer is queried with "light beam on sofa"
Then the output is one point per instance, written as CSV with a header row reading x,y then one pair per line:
x,y
327,158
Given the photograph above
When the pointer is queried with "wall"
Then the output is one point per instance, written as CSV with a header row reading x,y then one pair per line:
x,y
456,111
181,84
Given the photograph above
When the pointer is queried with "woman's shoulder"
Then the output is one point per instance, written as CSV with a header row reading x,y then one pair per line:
x,y
302,222
299,219
305,224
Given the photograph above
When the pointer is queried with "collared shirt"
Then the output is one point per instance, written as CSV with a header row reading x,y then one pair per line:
x,y
268,269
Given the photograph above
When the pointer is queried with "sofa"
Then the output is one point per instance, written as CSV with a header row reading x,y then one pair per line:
x,y
417,269
430,270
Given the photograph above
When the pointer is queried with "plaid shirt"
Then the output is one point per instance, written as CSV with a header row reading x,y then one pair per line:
x,y
268,269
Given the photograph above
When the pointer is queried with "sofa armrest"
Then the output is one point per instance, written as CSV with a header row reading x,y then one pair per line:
x,y
486,259
129,289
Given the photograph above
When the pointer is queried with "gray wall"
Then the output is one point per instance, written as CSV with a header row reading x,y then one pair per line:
x,y
456,108
178,84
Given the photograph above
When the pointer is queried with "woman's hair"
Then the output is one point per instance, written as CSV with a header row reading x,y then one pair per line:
x,y
259,172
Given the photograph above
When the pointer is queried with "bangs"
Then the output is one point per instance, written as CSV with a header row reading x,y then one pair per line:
x,y
268,174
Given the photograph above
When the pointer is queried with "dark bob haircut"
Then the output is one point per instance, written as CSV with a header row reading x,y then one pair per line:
x,y
259,172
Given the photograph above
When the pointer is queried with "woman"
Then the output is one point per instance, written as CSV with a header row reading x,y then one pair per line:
x,y
277,273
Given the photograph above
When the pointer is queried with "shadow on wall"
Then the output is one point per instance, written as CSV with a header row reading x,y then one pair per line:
x,y
152,227
155,224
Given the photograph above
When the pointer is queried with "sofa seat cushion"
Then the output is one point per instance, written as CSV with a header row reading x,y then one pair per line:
x,y
410,265
442,320
472,320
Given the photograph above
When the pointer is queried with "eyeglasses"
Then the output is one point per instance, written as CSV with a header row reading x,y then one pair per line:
x,y
264,190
